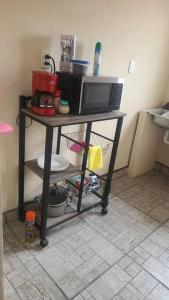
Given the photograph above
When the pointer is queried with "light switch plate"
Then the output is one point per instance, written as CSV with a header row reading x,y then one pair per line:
x,y
131,66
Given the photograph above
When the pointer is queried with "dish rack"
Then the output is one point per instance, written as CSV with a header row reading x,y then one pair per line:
x,y
76,141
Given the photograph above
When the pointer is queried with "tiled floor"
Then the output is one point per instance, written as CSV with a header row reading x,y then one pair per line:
x,y
123,255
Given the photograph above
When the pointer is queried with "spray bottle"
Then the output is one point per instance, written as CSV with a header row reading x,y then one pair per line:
x,y
29,226
97,59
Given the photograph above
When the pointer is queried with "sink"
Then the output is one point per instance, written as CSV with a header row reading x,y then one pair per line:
x,y
160,117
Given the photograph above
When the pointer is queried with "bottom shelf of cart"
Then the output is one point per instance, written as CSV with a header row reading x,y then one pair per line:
x,y
54,221
69,214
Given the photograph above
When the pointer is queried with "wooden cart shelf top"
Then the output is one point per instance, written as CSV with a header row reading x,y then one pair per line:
x,y
70,119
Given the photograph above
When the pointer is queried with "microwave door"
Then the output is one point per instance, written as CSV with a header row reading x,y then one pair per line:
x,y
95,97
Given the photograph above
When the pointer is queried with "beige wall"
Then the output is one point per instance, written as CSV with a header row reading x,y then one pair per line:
x,y
167,93
136,29
1,240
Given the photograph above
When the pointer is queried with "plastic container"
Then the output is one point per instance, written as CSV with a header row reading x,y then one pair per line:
x,y
29,225
57,100
79,66
64,107
97,59
65,66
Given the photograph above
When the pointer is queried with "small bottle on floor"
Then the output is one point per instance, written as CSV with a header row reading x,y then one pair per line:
x,y
29,226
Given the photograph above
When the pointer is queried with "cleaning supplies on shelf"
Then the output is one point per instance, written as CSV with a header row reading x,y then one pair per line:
x,y
29,226
97,59
90,184
95,160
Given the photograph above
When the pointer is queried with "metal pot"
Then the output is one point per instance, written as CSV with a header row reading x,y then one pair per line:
x,y
57,201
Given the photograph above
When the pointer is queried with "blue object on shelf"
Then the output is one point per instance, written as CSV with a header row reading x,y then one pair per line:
x,y
78,61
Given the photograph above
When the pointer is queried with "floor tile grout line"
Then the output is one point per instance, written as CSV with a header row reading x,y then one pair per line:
x,y
13,287
160,225
99,256
55,244
25,246
145,213
155,278
158,281
109,267
126,286
50,279
42,268
91,281
154,288
152,255
61,278
130,282
126,189
116,263
118,194
6,275
100,274
129,227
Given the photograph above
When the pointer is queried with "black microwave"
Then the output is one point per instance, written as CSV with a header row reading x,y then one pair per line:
x,y
90,94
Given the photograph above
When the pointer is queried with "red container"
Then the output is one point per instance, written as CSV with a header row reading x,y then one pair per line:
x,y
43,111
44,81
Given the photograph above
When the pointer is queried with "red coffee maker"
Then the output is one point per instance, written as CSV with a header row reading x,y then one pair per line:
x,y
44,87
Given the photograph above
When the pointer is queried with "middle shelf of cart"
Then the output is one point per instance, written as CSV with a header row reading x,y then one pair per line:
x,y
54,176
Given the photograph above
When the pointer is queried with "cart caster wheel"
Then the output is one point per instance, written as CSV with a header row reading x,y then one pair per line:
x,y
43,243
104,211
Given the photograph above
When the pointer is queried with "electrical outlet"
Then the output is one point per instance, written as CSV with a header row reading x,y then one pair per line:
x,y
43,53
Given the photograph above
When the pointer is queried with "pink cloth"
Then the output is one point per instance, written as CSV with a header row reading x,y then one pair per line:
x,y
79,148
5,128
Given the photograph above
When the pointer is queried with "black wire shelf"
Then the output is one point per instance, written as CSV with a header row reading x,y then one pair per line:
x,y
76,141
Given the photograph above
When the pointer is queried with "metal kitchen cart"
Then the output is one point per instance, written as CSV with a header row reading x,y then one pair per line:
x,y
43,224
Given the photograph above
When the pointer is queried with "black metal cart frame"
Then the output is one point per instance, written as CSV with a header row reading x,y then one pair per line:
x,y
59,122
